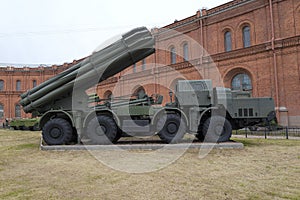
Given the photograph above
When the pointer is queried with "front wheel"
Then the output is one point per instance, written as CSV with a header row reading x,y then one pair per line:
x,y
57,131
217,129
171,128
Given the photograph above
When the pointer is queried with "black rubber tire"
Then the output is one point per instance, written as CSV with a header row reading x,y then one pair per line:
x,y
217,129
171,128
57,131
200,136
102,130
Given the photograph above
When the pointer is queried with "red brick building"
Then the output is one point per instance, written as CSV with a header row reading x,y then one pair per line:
x,y
15,81
251,45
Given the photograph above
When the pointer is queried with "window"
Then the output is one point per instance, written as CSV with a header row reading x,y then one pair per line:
x,y
246,36
143,64
1,85
241,82
17,111
140,92
34,83
185,52
108,95
134,67
1,111
18,85
173,55
227,41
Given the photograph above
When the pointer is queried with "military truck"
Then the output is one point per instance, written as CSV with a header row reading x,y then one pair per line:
x,y
25,124
68,114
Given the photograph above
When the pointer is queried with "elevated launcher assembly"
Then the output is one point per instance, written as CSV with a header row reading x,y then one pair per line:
x,y
56,92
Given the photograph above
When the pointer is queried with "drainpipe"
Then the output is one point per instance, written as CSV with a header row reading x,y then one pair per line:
x,y
274,55
201,36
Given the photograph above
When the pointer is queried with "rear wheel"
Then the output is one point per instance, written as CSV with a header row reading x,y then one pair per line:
x,y
171,128
102,130
217,129
200,136
57,131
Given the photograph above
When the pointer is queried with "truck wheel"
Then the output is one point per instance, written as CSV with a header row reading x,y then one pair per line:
x,y
102,130
171,128
217,129
200,136
57,131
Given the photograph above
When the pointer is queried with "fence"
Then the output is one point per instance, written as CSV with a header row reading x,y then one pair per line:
x,y
284,132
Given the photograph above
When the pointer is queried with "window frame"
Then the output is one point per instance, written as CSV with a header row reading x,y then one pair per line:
x,y
1,85
241,82
134,68
34,83
143,64
228,41
18,113
1,109
185,48
18,85
246,32
173,55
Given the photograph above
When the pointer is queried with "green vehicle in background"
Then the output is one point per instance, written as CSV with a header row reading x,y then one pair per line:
x,y
25,124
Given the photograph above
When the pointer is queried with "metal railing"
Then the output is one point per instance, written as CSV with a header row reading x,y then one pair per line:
x,y
281,133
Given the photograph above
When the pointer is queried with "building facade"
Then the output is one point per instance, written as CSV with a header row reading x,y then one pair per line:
x,y
250,45
15,81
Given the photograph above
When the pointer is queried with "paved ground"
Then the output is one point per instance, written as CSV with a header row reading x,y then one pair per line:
x,y
146,146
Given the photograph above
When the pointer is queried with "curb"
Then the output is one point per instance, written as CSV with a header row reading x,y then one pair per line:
x,y
225,145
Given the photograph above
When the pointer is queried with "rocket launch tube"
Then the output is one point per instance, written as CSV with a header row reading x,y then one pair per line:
x,y
131,48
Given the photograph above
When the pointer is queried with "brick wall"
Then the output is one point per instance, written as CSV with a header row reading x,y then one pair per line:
x,y
272,61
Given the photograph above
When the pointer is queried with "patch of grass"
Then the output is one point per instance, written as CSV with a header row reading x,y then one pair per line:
x,y
26,146
251,142
264,169
16,193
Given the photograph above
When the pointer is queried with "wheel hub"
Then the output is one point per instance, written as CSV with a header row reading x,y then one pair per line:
x,y
55,133
101,130
172,128
219,130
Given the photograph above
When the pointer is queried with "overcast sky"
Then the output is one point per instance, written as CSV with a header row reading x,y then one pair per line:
x,y
58,31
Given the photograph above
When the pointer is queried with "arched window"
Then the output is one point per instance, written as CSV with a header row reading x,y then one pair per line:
x,y
143,64
18,85
134,68
140,92
185,52
227,41
246,36
17,111
1,111
108,95
173,55
1,85
241,82
34,83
